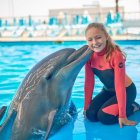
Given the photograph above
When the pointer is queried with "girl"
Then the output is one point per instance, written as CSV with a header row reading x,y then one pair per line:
x,y
116,101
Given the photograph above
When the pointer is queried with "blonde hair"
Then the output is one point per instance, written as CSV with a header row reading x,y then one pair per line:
x,y
111,46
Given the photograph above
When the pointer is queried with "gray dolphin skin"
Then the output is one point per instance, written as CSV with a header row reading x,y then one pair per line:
x,y
43,99
2,111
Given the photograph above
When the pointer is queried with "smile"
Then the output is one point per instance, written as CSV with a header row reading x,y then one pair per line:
x,y
97,46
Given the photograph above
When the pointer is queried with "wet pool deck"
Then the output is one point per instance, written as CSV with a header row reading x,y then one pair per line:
x,y
82,129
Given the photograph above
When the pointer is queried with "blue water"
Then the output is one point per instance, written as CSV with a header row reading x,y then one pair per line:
x,y
16,59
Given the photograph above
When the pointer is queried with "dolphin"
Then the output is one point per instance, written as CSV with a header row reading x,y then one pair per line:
x,y
2,112
43,100
8,127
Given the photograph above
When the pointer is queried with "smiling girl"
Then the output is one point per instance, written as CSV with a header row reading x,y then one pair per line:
x,y
116,101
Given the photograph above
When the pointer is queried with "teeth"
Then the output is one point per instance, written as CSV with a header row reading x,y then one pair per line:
x,y
98,46
95,46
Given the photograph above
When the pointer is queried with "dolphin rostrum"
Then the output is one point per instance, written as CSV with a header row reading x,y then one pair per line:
x,y
42,101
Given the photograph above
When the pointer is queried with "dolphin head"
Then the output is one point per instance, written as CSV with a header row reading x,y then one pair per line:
x,y
60,81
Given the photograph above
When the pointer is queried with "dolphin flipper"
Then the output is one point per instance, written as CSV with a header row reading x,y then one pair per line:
x,y
2,112
5,130
61,118
50,122
72,109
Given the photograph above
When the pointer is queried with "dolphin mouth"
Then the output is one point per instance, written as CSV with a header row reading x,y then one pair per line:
x,y
70,60
77,55
74,62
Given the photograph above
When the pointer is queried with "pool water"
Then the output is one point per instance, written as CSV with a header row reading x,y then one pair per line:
x,y
16,59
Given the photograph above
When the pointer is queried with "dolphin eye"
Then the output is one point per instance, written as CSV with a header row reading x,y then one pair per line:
x,y
48,77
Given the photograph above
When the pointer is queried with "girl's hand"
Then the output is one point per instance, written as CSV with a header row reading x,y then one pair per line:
x,y
125,121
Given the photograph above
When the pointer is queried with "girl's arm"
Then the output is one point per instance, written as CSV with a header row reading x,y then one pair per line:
x,y
89,84
119,77
119,70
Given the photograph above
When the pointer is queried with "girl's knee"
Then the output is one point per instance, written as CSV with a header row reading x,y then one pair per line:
x,y
91,115
106,118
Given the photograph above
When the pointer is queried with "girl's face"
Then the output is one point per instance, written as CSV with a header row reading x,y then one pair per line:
x,y
96,39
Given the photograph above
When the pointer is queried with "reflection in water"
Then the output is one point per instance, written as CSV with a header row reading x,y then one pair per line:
x,y
98,131
65,133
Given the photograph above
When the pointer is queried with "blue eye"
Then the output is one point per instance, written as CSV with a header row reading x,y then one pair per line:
x,y
99,37
90,39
